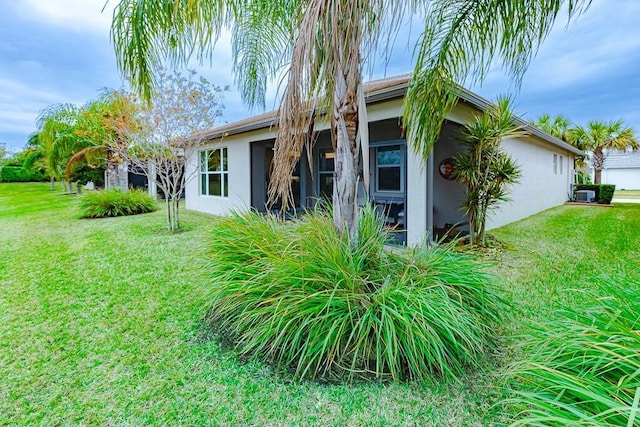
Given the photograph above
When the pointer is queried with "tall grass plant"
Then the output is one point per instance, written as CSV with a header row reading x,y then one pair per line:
x,y
114,202
302,297
583,367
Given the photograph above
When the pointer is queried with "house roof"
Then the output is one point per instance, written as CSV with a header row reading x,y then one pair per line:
x,y
376,91
623,160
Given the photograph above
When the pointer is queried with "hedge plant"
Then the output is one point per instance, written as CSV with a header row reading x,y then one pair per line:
x,y
603,192
19,174
305,299
606,193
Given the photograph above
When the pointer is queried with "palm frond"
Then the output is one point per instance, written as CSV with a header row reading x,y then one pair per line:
x,y
459,44
93,155
146,33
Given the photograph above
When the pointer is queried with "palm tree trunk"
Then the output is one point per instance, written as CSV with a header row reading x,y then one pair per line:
x,y
598,164
345,188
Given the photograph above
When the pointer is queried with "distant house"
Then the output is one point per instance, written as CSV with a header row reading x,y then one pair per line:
x,y
233,168
623,170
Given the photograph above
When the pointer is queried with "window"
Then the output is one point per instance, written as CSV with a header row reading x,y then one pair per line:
x,y
561,164
214,173
389,169
555,164
326,170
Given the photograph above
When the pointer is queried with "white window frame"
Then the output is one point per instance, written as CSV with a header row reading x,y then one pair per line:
x,y
377,168
555,164
203,159
327,172
561,165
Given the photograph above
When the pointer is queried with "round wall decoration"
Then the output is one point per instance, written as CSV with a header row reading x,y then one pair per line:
x,y
446,168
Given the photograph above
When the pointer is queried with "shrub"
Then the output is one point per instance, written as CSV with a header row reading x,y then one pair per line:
x,y
85,173
606,193
19,174
113,202
585,369
301,297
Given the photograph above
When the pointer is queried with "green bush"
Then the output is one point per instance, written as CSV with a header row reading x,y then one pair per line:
x,y
18,174
113,202
85,173
606,193
301,297
584,369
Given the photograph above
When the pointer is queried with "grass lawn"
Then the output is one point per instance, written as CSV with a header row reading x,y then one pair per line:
x,y
100,322
550,257
627,194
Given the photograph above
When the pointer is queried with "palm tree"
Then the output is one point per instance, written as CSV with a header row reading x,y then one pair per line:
x,y
103,124
70,135
600,137
55,125
35,156
557,126
57,134
324,44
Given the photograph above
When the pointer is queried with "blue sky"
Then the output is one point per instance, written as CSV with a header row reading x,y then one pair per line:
x,y
57,51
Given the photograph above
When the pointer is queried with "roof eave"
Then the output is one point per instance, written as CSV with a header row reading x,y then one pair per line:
x,y
396,91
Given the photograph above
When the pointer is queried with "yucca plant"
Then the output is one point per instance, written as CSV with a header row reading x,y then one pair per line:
x,y
301,296
585,370
484,168
114,202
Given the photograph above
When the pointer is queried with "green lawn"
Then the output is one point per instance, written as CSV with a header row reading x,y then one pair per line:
x,y
101,322
550,257
627,194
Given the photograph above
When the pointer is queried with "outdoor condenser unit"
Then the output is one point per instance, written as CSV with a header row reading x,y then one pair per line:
x,y
587,196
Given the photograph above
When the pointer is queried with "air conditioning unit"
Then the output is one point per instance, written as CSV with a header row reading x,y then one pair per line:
x,y
587,196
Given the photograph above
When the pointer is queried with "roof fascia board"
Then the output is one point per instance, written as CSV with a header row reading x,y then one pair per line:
x,y
399,91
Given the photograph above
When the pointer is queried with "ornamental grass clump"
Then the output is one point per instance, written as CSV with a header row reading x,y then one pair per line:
x,y
113,202
303,298
585,367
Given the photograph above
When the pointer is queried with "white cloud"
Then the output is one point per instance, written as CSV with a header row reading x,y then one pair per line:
x,y
78,15
20,106
17,121
17,91
589,52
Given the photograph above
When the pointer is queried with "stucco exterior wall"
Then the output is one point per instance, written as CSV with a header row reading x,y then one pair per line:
x,y
429,199
239,166
540,187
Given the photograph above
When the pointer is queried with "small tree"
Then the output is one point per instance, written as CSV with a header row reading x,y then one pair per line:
x,y
484,168
167,130
105,124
